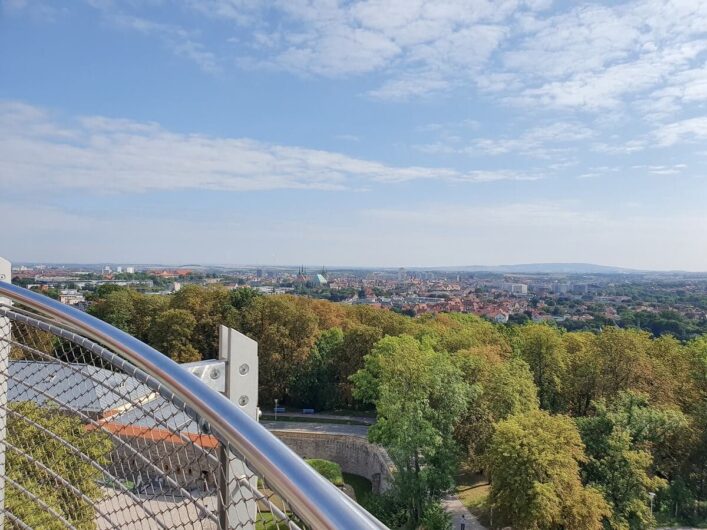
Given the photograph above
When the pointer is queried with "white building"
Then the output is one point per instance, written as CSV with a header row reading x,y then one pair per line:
x,y
71,297
518,289
561,288
130,270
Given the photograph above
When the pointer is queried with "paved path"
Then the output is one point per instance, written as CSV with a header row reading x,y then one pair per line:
x,y
330,428
359,419
460,515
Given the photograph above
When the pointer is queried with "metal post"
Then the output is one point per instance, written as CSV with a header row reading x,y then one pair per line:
x,y
5,276
241,356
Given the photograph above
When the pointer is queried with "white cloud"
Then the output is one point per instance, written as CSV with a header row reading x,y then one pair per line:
x,y
421,47
584,56
592,56
674,169
541,142
178,40
115,155
693,129
621,147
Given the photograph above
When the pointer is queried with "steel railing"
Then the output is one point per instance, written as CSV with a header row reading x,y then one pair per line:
x,y
99,430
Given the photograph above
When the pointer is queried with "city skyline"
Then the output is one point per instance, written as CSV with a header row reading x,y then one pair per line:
x,y
510,269
373,134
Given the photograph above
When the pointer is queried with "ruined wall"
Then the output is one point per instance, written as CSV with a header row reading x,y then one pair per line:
x,y
353,453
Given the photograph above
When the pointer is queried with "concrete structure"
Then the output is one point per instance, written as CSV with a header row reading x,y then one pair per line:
x,y
517,289
353,453
240,355
561,288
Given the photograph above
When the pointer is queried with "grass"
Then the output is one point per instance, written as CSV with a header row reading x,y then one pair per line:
x,y
473,490
267,521
361,485
309,419
329,470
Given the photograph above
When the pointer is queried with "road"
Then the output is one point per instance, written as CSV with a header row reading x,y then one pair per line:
x,y
358,419
329,428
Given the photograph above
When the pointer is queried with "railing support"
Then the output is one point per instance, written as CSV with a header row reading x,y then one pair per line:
x,y
5,276
240,354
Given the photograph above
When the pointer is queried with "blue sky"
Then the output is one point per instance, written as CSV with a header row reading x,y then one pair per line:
x,y
368,133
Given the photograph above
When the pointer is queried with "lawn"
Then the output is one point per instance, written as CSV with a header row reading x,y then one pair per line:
x,y
473,490
332,472
329,470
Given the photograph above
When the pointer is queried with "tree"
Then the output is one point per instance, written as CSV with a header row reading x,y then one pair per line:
x,y
625,364
581,384
533,462
694,468
285,334
620,440
41,457
419,395
456,331
145,309
509,390
358,342
172,333
541,347
211,307
316,383
116,308
243,297
498,390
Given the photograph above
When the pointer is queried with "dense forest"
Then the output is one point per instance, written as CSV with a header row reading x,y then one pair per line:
x,y
575,430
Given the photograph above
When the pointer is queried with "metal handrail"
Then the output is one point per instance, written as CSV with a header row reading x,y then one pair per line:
x,y
316,501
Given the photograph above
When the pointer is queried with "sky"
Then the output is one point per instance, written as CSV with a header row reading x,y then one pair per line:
x,y
361,133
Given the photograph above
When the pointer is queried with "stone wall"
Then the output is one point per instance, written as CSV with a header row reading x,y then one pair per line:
x,y
353,453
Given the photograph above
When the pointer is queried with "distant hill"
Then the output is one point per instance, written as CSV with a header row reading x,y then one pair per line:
x,y
548,268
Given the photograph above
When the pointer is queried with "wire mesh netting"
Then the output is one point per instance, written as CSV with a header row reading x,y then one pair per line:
x,y
91,441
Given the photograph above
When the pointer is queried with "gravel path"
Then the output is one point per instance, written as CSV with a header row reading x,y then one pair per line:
x,y
460,515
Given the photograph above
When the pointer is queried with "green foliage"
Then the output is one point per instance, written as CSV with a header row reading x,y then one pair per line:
x,y
315,384
42,457
286,335
211,308
621,441
171,333
455,378
533,462
498,390
435,518
359,340
329,470
542,348
242,298
419,395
